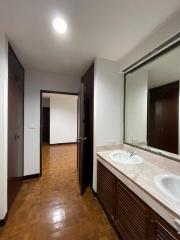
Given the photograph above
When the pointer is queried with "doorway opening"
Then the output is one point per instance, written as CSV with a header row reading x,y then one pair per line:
x,y
58,123
56,129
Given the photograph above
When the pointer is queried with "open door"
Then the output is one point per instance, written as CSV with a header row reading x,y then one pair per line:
x,y
46,125
85,130
82,140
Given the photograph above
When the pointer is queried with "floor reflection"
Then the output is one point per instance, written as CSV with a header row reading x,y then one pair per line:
x,y
51,207
58,215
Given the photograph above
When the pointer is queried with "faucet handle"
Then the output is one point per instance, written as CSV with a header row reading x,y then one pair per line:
x,y
131,152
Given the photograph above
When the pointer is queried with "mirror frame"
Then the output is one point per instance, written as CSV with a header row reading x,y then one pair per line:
x,y
162,49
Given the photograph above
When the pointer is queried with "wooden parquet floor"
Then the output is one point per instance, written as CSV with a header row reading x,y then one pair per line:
x,y
51,207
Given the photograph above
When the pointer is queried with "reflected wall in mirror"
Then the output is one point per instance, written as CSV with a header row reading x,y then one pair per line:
x,y
152,104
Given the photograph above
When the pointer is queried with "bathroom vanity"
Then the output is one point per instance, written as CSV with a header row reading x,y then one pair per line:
x,y
138,182
135,206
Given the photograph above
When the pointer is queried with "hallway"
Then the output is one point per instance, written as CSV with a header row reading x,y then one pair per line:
x,y
51,208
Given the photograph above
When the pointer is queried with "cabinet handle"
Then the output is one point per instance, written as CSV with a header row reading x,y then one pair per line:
x,y
177,223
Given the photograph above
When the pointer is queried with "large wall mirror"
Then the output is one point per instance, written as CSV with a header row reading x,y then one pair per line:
x,y
152,97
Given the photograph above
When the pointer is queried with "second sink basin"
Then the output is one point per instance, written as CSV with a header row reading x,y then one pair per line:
x,y
125,158
169,184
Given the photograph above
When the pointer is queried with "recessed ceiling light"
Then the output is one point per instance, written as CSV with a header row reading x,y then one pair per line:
x,y
60,25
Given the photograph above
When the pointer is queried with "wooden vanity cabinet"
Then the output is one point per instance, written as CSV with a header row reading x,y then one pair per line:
x,y
106,189
161,230
131,215
132,218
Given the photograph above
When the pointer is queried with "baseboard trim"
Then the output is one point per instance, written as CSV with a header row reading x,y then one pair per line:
x,y
67,143
31,176
3,221
94,193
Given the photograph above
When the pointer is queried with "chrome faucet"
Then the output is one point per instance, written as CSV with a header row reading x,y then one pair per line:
x,y
131,152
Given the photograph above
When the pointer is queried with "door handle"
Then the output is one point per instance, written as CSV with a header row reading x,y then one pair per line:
x,y
17,137
81,139
84,139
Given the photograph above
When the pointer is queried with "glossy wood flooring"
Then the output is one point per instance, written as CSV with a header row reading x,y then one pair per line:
x,y
51,208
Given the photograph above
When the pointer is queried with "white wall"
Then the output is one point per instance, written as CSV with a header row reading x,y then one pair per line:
x,y
108,106
3,123
34,82
160,35
63,118
136,107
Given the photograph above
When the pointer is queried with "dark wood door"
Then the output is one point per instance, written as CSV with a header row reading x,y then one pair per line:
x,y
85,136
46,124
82,142
163,117
78,132
15,125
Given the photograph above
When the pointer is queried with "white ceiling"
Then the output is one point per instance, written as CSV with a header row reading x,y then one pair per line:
x,y
102,28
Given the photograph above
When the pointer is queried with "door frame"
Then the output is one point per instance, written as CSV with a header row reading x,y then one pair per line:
x,y
41,95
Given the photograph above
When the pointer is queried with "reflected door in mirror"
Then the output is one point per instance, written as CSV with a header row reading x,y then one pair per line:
x,y
163,117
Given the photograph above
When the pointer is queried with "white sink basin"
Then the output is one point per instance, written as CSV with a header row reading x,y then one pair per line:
x,y
125,158
169,184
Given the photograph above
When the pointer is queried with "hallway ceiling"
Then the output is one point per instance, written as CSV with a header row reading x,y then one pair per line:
x,y
103,28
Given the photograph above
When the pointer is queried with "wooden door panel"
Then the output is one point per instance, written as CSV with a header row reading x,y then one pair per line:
x,y
163,117
161,229
131,215
85,135
46,124
162,234
106,188
15,125
19,79
81,144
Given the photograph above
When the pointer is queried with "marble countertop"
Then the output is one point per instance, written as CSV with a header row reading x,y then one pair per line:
x,y
142,176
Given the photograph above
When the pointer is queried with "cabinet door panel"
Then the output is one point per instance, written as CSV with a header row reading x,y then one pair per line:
x,y
106,186
131,215
132,218
162,233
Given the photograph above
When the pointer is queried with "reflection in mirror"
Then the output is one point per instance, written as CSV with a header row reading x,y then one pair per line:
x,y
152,104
